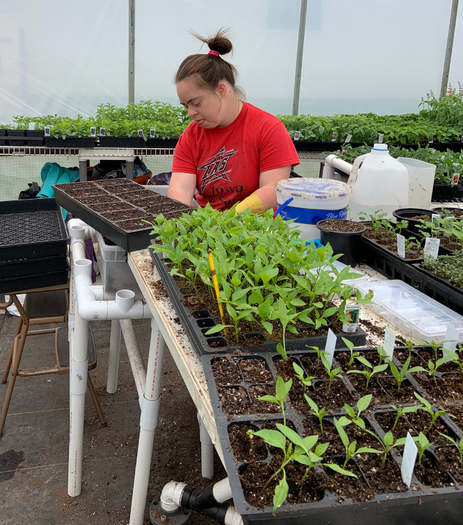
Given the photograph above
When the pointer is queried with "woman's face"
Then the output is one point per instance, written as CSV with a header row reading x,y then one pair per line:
x,y
204,106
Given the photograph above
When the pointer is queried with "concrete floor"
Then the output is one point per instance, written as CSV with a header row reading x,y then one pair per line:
x,y
33,449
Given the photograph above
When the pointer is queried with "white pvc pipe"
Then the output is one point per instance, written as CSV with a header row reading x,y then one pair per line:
x,y
135,358
222,491
207,451
77,388
171,496
232,517
148,422
333,162
114,357
90,308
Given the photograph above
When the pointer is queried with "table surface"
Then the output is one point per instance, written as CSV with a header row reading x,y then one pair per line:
x,y
185,357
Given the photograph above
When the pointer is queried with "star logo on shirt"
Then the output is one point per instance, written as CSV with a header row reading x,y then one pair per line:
x,y
216,168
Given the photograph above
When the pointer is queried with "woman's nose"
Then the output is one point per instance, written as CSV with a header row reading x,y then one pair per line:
x,y
191,112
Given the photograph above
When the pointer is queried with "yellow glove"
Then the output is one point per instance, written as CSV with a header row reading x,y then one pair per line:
x,y
253,202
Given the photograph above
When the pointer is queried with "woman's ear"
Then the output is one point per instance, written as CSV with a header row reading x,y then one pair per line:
x,y
222,88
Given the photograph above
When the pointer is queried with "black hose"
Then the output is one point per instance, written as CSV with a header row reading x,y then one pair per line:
x,y
203,501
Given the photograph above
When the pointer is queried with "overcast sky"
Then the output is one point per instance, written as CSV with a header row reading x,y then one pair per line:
x,y
360,55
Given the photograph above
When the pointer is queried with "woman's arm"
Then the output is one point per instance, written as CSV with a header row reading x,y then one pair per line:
x,y
182,187
264,197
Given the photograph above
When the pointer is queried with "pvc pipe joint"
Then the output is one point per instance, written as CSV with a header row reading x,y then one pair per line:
x,y
125,299
171,496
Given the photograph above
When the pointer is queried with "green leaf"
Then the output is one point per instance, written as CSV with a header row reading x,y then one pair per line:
x,y
273,438
282,388
216,328
364,402
281,492
340,470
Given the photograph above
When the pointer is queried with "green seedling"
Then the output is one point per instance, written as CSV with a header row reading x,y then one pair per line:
x,y
427,407
401,411
350,346
298,449
387,443
350,447
282,389
305,380
433,366
422,443
371,370
458,443
401,375
333,373
353,414
319,413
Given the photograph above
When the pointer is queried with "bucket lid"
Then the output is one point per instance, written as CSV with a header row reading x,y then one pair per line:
x,y
312,188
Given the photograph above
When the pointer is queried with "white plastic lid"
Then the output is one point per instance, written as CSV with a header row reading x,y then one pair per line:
x,y
380,147
311,189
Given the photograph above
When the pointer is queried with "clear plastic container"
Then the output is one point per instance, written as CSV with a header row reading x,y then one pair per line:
x,y
420,182
115,272
416,315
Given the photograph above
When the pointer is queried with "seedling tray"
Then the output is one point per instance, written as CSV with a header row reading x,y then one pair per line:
x,y
31,228
198,322
25,282
22,267
103,204
371,245
421,504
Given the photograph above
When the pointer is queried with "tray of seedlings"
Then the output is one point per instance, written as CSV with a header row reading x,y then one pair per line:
x,y
309,440
33,244
266,290
119,209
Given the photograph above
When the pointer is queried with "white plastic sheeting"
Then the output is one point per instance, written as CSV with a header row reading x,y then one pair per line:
x,y
367,55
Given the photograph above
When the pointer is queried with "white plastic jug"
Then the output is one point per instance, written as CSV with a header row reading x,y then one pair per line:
x,y
307,201
378,182
420,182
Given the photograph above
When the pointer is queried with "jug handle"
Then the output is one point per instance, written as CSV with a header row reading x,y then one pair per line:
x,y
355,170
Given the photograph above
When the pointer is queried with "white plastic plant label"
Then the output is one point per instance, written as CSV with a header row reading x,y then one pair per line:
x,y
140,133
93,131
380,138
102,132
450,341
297,135
389,343
408,460
330,346
401,245
431,247
152,133
353,312
46,131
348,139
334,136
435,217
455,179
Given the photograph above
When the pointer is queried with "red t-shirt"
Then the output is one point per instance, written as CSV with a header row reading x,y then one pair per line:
x,y
228,161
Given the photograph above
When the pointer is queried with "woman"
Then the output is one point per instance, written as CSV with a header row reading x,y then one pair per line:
x,y
232,152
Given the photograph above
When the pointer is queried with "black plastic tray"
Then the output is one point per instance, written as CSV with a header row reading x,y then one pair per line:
x,y
419,505
31,228
196,323
25,267
447,193
26,282
130,240
371,245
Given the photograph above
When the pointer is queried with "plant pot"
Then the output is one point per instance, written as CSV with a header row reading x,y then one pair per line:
x,y
413,216
343,236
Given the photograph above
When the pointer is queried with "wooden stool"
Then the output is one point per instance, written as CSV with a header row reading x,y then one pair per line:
x,y
43,306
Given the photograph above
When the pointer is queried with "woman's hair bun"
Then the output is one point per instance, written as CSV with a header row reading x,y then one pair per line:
x,y
219,42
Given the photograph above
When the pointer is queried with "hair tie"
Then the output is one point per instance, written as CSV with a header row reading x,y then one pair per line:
x,y
215,53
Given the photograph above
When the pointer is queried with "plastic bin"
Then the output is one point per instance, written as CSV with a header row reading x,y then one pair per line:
x,y
114,269
414,313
